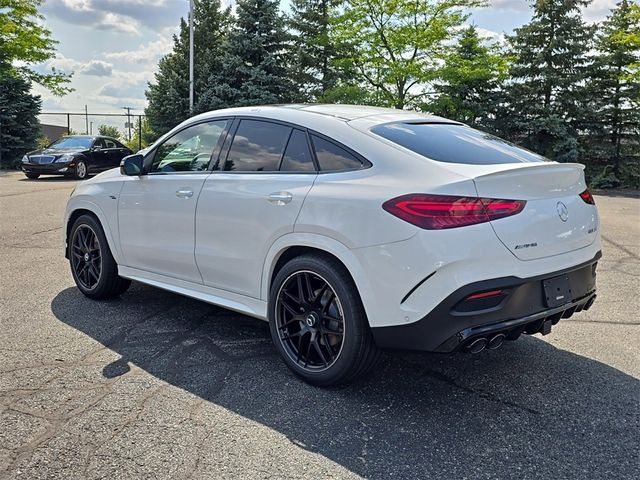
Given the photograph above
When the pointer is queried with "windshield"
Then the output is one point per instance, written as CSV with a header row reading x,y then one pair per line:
x,y
454,143
72,142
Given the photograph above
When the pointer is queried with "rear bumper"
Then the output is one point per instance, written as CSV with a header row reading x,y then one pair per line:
x,y
454,323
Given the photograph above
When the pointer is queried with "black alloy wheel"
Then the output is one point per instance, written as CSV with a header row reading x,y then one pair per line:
x,y
86,257
318,323
93,267
310,321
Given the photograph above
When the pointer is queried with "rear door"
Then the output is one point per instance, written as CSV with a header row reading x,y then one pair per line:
x,y
253,199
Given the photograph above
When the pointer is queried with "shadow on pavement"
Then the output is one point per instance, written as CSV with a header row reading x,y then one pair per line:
x,y
526,410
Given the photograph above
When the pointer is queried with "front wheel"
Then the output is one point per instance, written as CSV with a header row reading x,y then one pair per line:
x,y
81,170
32,176
318,323
92,264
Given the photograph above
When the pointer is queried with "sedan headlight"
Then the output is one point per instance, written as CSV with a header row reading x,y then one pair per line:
x,y
25,159
64,158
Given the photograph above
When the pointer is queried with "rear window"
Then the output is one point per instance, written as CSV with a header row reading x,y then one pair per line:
x,y
455,143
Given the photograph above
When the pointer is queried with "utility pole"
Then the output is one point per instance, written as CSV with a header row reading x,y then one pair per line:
x,y
128,124
90,128
86,119
191,56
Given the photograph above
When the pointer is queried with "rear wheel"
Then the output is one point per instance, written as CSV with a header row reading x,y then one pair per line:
x,y
92,265
32,176
318,323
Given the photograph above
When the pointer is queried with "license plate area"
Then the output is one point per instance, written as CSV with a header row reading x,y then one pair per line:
x,y
557,291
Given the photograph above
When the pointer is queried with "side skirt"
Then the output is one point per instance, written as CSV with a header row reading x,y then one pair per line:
x,y
222,298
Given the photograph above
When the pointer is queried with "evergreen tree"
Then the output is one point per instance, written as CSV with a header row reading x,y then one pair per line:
x,y
313,53
168,97
547,96
616,87
470,81
19,127
254,63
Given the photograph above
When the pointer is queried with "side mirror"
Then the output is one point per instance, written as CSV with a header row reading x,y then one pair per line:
x,y
133,165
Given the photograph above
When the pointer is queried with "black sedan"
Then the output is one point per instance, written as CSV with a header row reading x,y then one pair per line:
x,y
76,156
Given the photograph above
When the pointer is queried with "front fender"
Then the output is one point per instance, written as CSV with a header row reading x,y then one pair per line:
x,y
82,202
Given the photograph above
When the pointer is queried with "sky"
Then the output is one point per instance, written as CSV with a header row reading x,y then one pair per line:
x,y
113,46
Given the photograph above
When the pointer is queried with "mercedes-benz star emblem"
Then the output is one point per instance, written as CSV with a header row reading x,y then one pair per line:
x,y
563,211
310,320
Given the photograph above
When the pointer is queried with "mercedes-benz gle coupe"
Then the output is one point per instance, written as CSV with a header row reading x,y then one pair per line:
x,y
349,229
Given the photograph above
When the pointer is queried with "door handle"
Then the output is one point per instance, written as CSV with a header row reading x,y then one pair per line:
x,y
280,198
184,193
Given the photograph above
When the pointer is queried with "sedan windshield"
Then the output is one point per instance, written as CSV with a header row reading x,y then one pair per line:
x,y
72,142
454,143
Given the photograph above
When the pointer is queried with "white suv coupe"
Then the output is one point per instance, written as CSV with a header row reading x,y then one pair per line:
x,y
348,228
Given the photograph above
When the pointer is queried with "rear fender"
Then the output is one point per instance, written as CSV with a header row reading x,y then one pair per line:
x,y
326,244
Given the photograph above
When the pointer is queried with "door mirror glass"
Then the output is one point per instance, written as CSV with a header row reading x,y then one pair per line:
x,y
132,165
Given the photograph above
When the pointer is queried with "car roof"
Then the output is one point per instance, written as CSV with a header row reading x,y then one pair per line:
x,y
343,113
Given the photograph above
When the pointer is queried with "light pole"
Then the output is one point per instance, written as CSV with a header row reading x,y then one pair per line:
x,y
190,56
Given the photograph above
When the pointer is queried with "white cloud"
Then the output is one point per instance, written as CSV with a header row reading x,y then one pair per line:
x,y
97,68
514,5
146,53
598,10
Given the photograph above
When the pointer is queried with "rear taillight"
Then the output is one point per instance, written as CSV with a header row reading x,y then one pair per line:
x,y
587,197
437,212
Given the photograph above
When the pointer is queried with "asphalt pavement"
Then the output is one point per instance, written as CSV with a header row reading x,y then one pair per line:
x,y
154,385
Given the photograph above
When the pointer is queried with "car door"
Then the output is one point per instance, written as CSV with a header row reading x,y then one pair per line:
x,y
252,199
98,155
113,154
156,212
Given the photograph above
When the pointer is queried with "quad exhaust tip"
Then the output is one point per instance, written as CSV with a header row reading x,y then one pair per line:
x,y
493,343
496,342
477,345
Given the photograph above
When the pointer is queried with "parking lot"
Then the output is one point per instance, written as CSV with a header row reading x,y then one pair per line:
x,y
154,385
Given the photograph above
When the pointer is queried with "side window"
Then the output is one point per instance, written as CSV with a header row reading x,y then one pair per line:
x,y
332,157
297,157
257,147
98,143
190,149
109,143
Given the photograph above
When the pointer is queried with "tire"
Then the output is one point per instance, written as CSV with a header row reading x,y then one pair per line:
x,y
330,362
81,172
32,176
87,231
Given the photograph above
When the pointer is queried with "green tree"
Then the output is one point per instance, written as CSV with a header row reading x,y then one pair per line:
x,y
615,86
109,131
254,65
470,81
27,42
142,137
547,99
168,96
395,45
19,127
313,68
